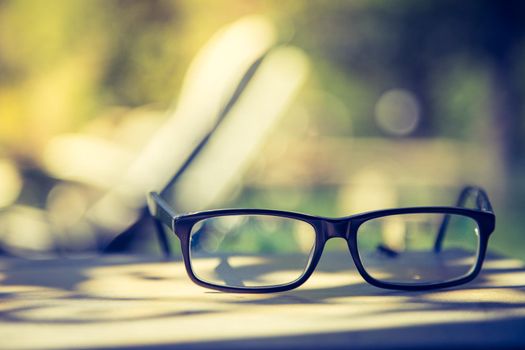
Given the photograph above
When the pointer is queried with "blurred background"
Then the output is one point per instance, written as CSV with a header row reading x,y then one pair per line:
x,y
328,108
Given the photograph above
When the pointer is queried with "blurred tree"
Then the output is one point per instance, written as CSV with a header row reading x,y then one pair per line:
x,y
407,44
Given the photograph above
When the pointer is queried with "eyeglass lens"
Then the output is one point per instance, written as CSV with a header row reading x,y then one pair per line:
x,y
399,249
250,250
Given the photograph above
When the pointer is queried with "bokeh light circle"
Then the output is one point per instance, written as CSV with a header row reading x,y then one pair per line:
x,y
397,112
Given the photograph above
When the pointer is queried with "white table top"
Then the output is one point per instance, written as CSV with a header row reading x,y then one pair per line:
x,y
137,302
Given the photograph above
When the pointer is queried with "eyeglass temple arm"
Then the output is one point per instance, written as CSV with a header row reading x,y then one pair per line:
x,y
482,203
162,214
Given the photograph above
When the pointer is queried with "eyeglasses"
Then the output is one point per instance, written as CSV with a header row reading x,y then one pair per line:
x,y
263,251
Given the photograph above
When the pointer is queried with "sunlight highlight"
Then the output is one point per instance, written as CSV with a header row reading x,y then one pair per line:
x,y
239,137
10,183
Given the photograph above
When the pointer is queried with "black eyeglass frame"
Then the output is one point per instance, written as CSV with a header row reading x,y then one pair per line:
x,y
327,228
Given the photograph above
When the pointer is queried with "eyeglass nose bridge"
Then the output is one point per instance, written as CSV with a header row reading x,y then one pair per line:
x,y
336,228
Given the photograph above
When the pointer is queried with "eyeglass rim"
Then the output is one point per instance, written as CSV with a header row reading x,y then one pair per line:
x,y
183,224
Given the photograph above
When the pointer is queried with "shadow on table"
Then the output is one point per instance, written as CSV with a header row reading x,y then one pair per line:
x,y
496,334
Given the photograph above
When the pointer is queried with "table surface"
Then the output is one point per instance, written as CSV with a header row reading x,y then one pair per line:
x,y
140,302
